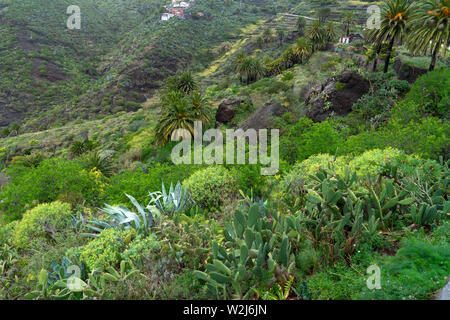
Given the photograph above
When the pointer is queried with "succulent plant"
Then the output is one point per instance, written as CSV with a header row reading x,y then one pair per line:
x,y
176,200
257,250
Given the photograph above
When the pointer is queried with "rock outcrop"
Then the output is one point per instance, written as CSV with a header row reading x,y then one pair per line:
x,y
407,72
336,95
227,109
263,117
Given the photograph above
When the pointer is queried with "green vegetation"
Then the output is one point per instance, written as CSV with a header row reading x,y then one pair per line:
x,y
87,179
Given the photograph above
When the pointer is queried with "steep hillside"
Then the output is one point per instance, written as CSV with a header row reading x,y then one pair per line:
x,y
359,160
122,52
44,64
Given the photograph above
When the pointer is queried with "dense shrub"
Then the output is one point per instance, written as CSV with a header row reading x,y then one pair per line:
x,y
407,131
45,183
7,232
418,269
106,250
41,222
373,162
370,163
140,182
431,92
378,103
140,248
429,137
249,178
299,174
307,138
212,186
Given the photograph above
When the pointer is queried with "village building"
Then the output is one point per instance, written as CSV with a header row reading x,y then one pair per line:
x,y
175,10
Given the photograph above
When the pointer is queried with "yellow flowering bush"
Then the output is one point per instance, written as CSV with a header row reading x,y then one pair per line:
x,y
37,222
372,162
211,186
99,179
106,250
299,173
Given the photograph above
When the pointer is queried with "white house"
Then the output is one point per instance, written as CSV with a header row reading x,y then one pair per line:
x,y
180,4
166,16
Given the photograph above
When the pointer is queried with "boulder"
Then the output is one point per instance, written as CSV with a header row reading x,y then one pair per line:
x,y
263,117
227,109
336,95
407,72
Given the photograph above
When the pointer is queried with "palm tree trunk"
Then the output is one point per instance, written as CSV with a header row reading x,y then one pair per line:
x,y
348,30
377,54
433,58
388,56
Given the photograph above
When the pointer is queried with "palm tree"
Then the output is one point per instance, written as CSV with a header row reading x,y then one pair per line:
x,y
281,33
302,48
301,24
176,115
288,58
187,82
330,32
430,29
200,106
316,34
396,15
184,82
250,68
259,42
348,21
267,35
323,14
15,128
376,37
240,57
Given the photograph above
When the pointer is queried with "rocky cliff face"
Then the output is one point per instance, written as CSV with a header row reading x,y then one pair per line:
x,y
8,114
263,117
407,72
336,95
227,109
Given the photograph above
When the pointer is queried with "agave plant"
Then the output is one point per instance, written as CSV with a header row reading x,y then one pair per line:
x,y
175,200
122,217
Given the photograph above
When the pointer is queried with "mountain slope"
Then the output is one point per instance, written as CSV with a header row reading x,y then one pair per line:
x,y
123,51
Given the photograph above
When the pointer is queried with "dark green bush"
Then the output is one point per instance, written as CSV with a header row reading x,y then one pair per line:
x,y
431,93
139,183
31,186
